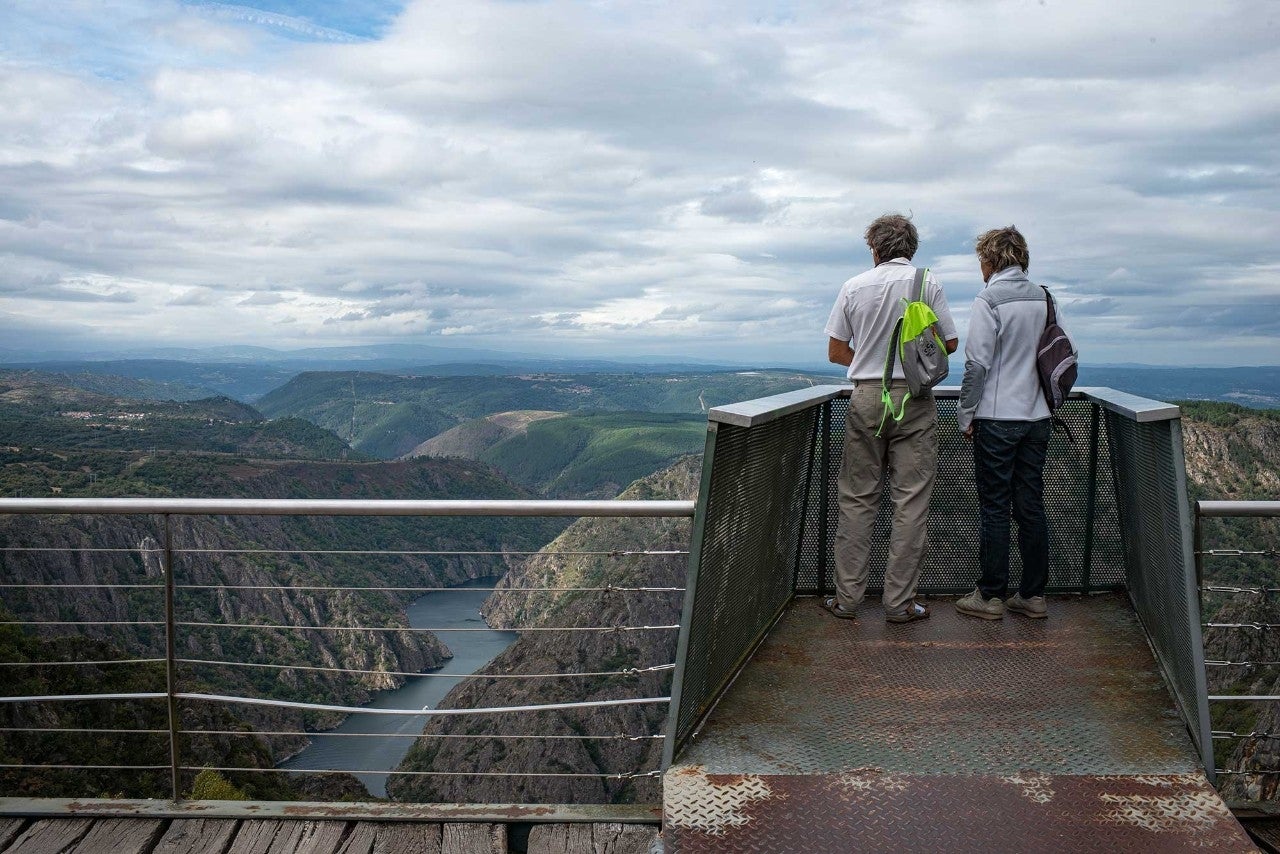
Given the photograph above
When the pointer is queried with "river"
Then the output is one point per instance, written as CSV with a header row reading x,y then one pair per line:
x,y
458,608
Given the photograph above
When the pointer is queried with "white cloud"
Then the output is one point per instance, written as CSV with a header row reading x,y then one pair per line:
x,y
545,175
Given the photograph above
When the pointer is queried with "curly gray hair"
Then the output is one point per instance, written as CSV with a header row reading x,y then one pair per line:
x,y
892,236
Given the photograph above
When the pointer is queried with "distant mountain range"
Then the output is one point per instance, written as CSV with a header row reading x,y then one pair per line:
x,y
1258,387
250,373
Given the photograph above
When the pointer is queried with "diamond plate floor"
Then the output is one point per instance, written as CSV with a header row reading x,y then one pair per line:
x,y
948,734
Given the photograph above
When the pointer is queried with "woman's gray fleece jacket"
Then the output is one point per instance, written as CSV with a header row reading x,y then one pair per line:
x,y
1000,378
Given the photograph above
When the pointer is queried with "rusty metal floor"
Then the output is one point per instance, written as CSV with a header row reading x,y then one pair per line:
x,y
950,734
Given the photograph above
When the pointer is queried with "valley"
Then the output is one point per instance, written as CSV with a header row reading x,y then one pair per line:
x,y
455,437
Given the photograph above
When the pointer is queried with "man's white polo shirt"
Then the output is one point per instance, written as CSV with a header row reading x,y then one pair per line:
x,y
869,305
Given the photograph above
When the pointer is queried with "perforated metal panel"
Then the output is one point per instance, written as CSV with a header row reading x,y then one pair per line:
x,y
1156,518
1079,561
746,530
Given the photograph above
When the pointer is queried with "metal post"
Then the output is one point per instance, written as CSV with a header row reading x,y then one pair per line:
x,y
804,506
170,658
1204,736
824,506
674,740
1086,567
1198,545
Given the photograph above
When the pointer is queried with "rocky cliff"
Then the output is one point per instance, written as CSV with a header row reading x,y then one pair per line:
x,y
1234,453
244,571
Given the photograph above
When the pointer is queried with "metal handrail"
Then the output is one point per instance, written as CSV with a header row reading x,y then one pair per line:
x,y
342,507
1221,509
167,508
753,413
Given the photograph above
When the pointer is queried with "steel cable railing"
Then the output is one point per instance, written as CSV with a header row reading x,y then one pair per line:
x,y
166,553
396,629
630,671
1236,510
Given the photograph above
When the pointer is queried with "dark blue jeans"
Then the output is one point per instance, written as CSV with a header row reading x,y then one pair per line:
x,y
1008,469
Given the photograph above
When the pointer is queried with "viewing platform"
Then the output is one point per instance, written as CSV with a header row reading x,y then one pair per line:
x,y
789,730
952,734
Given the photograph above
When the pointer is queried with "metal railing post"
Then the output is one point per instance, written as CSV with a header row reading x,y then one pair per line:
x,y
804,507
1191,588
1086,563
170,658
825,502
673,741
1197,535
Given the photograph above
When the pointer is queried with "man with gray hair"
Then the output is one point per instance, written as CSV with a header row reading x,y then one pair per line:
x,y
859,332
1004,412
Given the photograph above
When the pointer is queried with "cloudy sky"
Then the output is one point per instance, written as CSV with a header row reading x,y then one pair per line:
x,y
618,178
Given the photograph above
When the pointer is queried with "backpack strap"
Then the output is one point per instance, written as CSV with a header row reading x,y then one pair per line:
x,y
886,399
1050,319
890,359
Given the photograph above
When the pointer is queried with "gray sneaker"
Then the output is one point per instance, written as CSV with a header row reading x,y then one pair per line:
x,y
974,605
1032,607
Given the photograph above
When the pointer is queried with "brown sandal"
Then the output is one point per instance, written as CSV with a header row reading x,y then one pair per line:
x,y
833,606
914,611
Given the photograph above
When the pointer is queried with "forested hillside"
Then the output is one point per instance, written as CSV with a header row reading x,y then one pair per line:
x,y
388,416
38,416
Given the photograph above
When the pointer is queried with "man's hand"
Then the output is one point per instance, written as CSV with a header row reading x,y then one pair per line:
x,y
968,433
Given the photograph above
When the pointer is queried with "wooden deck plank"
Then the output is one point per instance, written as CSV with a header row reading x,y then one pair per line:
x,y
369,837
197,836
591,839
121,836
9,830
264,836
473,838
50,836
269,836
321,837
1265,832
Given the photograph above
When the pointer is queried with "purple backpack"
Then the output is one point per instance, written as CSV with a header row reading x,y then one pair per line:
x,y
1055,359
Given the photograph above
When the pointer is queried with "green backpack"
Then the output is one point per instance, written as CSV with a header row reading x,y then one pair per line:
x,y
917,346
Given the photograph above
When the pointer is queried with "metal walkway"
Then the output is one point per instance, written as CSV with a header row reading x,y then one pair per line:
x,y
951,734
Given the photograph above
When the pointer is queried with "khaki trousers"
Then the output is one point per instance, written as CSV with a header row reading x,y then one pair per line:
x,y
909,450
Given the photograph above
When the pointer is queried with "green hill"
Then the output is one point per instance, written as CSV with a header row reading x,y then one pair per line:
x,y
388,416
36,415
470,439
579,454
